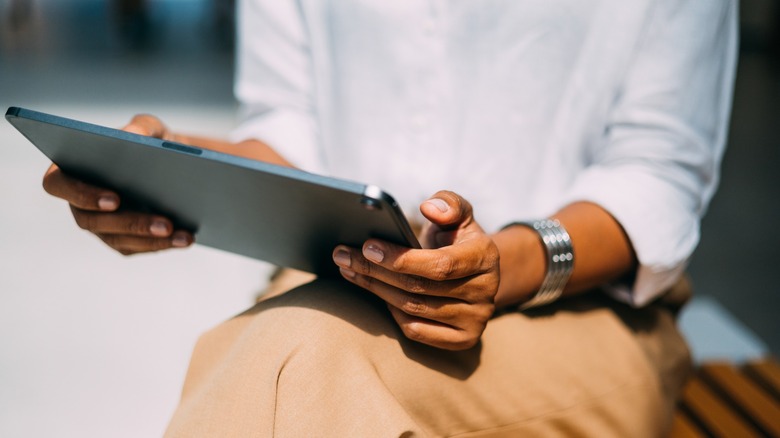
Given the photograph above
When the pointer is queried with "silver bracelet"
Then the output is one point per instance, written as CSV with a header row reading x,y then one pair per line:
x,y
560,260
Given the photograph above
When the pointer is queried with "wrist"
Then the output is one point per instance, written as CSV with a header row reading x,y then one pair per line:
x,y
523,264
559,260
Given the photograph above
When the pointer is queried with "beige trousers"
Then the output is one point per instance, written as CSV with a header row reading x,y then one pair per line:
x,y
326,360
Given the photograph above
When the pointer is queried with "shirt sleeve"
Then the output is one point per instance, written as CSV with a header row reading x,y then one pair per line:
x,y
274,81
657,166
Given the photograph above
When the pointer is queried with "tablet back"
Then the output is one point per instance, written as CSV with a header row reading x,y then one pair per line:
x,y
284,216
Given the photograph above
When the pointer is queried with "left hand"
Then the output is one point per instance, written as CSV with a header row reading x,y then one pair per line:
x,y
441,296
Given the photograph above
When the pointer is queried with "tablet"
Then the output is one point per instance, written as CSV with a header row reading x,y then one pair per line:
x,y
284,216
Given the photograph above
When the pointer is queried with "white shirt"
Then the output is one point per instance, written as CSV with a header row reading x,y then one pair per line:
x,y
522,107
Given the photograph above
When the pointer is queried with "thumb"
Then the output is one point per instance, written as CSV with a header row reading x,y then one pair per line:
x,y
449,213
145,124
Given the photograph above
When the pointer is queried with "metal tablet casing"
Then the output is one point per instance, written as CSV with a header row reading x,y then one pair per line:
x,y
285,216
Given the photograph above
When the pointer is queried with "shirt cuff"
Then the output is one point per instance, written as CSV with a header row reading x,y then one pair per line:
x,y
648,285
662,227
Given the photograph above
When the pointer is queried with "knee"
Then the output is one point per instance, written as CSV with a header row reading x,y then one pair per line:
x,y
323,311
312,321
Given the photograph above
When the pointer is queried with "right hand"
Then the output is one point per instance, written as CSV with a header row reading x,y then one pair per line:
x,y
96,209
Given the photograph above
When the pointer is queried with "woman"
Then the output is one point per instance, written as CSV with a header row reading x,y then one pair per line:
x,y
598,125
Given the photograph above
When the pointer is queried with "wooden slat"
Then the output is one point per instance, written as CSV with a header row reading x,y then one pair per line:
x,y
712,413
683,427
767,373
756,404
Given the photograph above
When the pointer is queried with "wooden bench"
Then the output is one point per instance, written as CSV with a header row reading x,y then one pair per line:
x,y
723,400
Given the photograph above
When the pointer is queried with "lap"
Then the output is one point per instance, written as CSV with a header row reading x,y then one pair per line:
x,y
327,359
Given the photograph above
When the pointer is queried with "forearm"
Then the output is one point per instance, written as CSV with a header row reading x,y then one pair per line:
x,y
251,149
602,253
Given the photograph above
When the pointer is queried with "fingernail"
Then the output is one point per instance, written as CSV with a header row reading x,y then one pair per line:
x,y
342,258
180,240
107,203
374,253
347,273
159,228
439,204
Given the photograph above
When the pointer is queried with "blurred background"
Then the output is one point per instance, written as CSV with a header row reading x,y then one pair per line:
x,y
95,344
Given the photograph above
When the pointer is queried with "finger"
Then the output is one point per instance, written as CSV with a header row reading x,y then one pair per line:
x,y
475,256
129,245
145,124
128,223
469,289
448,210
78,193
445,310
433,333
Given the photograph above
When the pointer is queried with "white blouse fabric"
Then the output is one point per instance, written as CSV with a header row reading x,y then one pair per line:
x,y
522,107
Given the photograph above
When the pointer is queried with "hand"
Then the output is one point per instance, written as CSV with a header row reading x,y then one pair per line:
x,y
441,296
97,210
